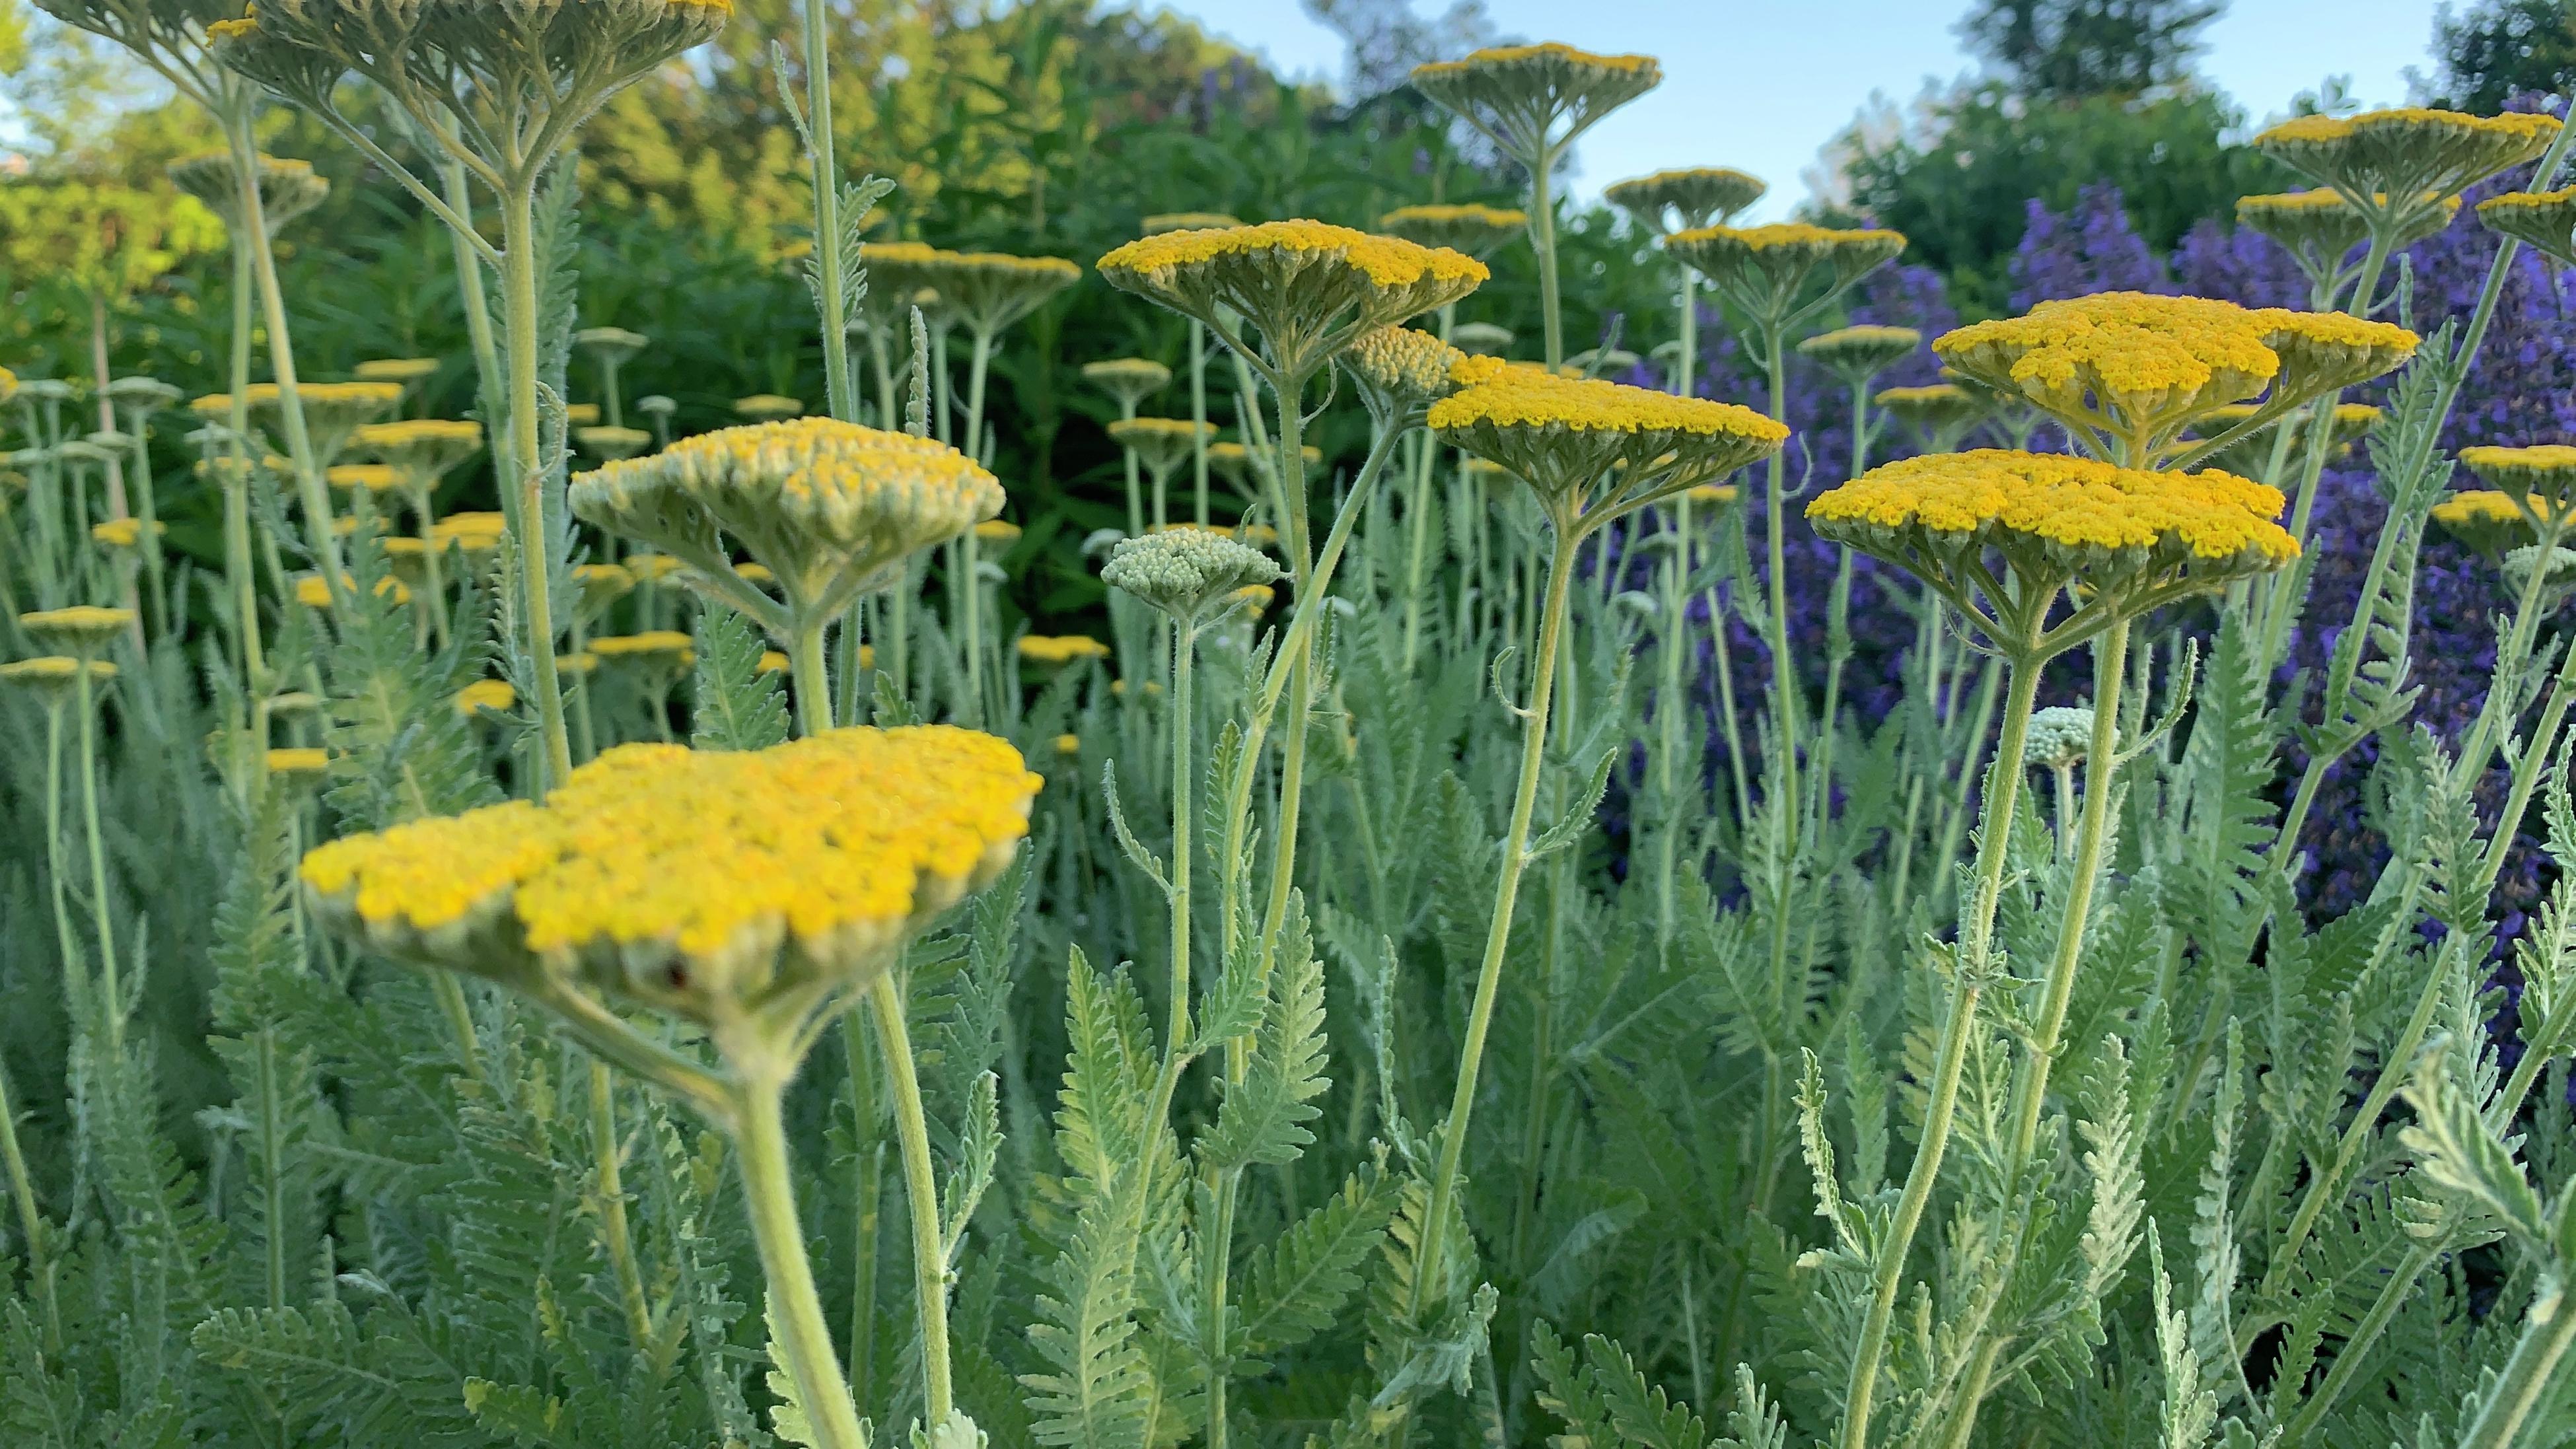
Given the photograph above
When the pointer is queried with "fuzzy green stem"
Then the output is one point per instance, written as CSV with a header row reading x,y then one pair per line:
x,y
1498,934
1975,949
811,675
804,1342
66,939
2549,1331
114,1003
1543,242
31,1221
281,360
921,1196
519,277
614,1233
840,387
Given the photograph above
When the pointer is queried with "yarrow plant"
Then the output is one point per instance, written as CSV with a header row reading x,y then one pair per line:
x,y
852,914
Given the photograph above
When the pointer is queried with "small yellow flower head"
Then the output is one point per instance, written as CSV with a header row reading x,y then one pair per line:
x,y
612,444
1400,369
287,188
140,396
1857,354
2544,220
408,558
83,630
576,664
422,452
754,573
827,506
1258,535
996,533
2542,479
313,593
2319,228
294,704
610,345
1594,451
1128,380
1531,98
1185,221
767,407
581,415
469,527
773,661
1254,599
495,695
667,649
1056,651
2253,452
2137,369
1771,271
1687,199
1937,410
1068,745
2489,522
1714,495
8,385
991,291
299,764
1186,571
1476,231
2126,535
53,677
333,411
1118,689
1161,444
373,477
124,532
401,371
2393,165
736,890
1480,339
1308,289
899,277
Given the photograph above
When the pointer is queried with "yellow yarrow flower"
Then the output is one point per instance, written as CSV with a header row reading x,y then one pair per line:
x,y
2320,227
373,477
492,694
82,629
1772,271
2491,522
1685,199
296,764
2393,165
1161,444
2542,479
1533,99
2125,538
1399,369
1308,289
124,532
2545,220
1858,353
662,648
1475,231
763,407
53,677
773,661
1595,451
314,593
1186,221
1128,380
829,507
998,533
288,189
1058,650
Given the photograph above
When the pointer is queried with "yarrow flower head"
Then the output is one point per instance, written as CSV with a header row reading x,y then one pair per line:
x,y
612,444
1185,572
2128,372
287,188
741,891
1480,339
1308,289
1770,271
1476,231
333,411
1942,411
990,291
2490,522
760,407
2059,737
1185,221
1161,444
2125,539
1534,99
124,533
827,506
1128,380
83,630
610,345
372,477
1857,354
407,371
1595,451
1058,650
2394,165
1686,199
1400,370
2541,479
2320,228
53,678
2543,220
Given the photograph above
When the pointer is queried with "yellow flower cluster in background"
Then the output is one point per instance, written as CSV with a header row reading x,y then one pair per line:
x,y
2097,514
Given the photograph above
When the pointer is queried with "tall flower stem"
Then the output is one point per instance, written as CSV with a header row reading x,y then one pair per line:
x,y
1784,669
113,1005
315,498
1198,420
1976,937
803,1341
613,1232
969,547
31,1221
66,939
1498,934
807,668
1542,224
240,574
519,302
840,386
1838,620
921,1198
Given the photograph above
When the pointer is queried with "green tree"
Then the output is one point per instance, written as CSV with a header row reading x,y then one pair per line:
x,y
2499,49
2060,50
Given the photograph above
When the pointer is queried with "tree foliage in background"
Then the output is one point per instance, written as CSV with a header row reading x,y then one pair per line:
x,y
2499,49
2072,50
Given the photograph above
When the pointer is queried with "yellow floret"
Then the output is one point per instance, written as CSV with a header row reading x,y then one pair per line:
x,y
1387,261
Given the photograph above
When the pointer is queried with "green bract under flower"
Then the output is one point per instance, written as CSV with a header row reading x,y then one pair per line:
x,y
2393,165
1687,199
827,506
574,53
2542,479
1129,380
1186,571
1535,98
2321,227
1476,231
1594,451
287,188
1161,444
2490,522
2545,220
1936,409
1308,289
1857,354
1772,271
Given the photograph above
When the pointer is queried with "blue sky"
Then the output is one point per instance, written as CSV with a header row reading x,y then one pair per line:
x,y
1763,84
